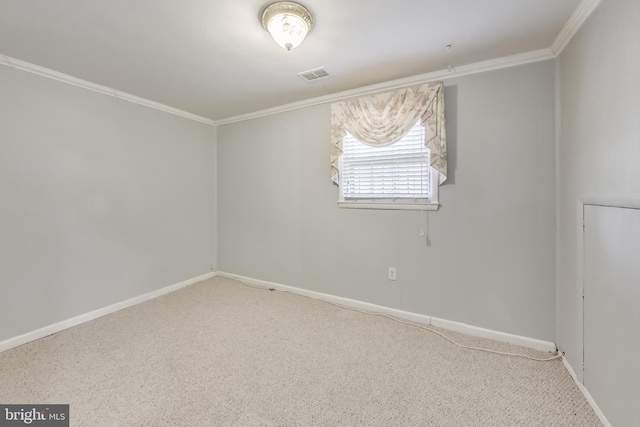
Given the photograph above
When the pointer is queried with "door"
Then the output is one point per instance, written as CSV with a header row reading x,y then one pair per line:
x,y
612,311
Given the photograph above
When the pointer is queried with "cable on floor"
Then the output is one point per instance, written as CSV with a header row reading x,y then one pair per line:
x,y
418,325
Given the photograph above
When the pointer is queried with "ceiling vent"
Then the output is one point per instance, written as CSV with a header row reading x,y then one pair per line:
x,y
314,75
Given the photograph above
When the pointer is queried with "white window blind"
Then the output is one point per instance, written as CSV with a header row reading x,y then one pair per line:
x,y
397,171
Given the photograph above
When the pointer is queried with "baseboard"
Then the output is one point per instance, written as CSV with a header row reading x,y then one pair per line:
x,y
407,315
415,317
586,394
74,321
494,335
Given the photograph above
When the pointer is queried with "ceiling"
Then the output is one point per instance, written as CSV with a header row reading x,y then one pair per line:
x,y
212,58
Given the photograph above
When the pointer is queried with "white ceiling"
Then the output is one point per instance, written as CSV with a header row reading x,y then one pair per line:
x,y
212,58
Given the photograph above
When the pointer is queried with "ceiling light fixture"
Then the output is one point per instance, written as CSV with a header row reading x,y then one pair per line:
x,y
287,22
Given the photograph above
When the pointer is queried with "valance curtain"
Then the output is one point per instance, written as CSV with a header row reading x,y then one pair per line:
x,y
384,118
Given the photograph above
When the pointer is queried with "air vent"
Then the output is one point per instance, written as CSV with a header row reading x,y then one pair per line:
x,y
314,75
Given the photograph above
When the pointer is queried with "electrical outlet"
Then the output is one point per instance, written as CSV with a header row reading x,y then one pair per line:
x,y
392,273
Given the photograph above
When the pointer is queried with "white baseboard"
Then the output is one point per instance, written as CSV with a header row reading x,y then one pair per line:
x,y
415,317
74,321
494,335
407,315
586,394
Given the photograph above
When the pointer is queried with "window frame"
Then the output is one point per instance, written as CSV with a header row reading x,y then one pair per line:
x,y
426,204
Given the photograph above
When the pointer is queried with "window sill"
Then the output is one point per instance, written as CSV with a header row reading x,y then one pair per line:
x,y
390,206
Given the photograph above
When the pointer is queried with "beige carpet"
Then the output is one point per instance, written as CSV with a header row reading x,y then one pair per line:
x,y
220,353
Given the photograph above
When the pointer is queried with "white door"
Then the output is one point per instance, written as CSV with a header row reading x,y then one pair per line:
x,y
612,311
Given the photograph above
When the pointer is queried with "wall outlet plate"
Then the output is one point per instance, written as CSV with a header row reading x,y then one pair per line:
x,y
392,273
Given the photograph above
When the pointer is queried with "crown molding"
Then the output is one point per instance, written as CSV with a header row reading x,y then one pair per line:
x,y
584,10
65,78
581,14
478,67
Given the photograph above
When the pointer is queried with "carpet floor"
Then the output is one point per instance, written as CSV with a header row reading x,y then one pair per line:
x,y
219,353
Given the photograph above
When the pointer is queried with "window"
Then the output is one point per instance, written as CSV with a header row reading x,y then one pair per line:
x,y
393,176
389,149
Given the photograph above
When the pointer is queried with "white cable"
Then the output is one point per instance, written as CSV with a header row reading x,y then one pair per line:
x,y
421,234
426,328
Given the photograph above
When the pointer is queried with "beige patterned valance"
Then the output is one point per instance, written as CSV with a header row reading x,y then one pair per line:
x,y
384,118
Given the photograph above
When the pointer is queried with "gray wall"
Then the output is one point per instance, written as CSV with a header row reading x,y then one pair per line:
x,y
101,200
599,151
490,260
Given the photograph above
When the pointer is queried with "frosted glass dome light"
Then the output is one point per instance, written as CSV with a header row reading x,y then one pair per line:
x,y
287,22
